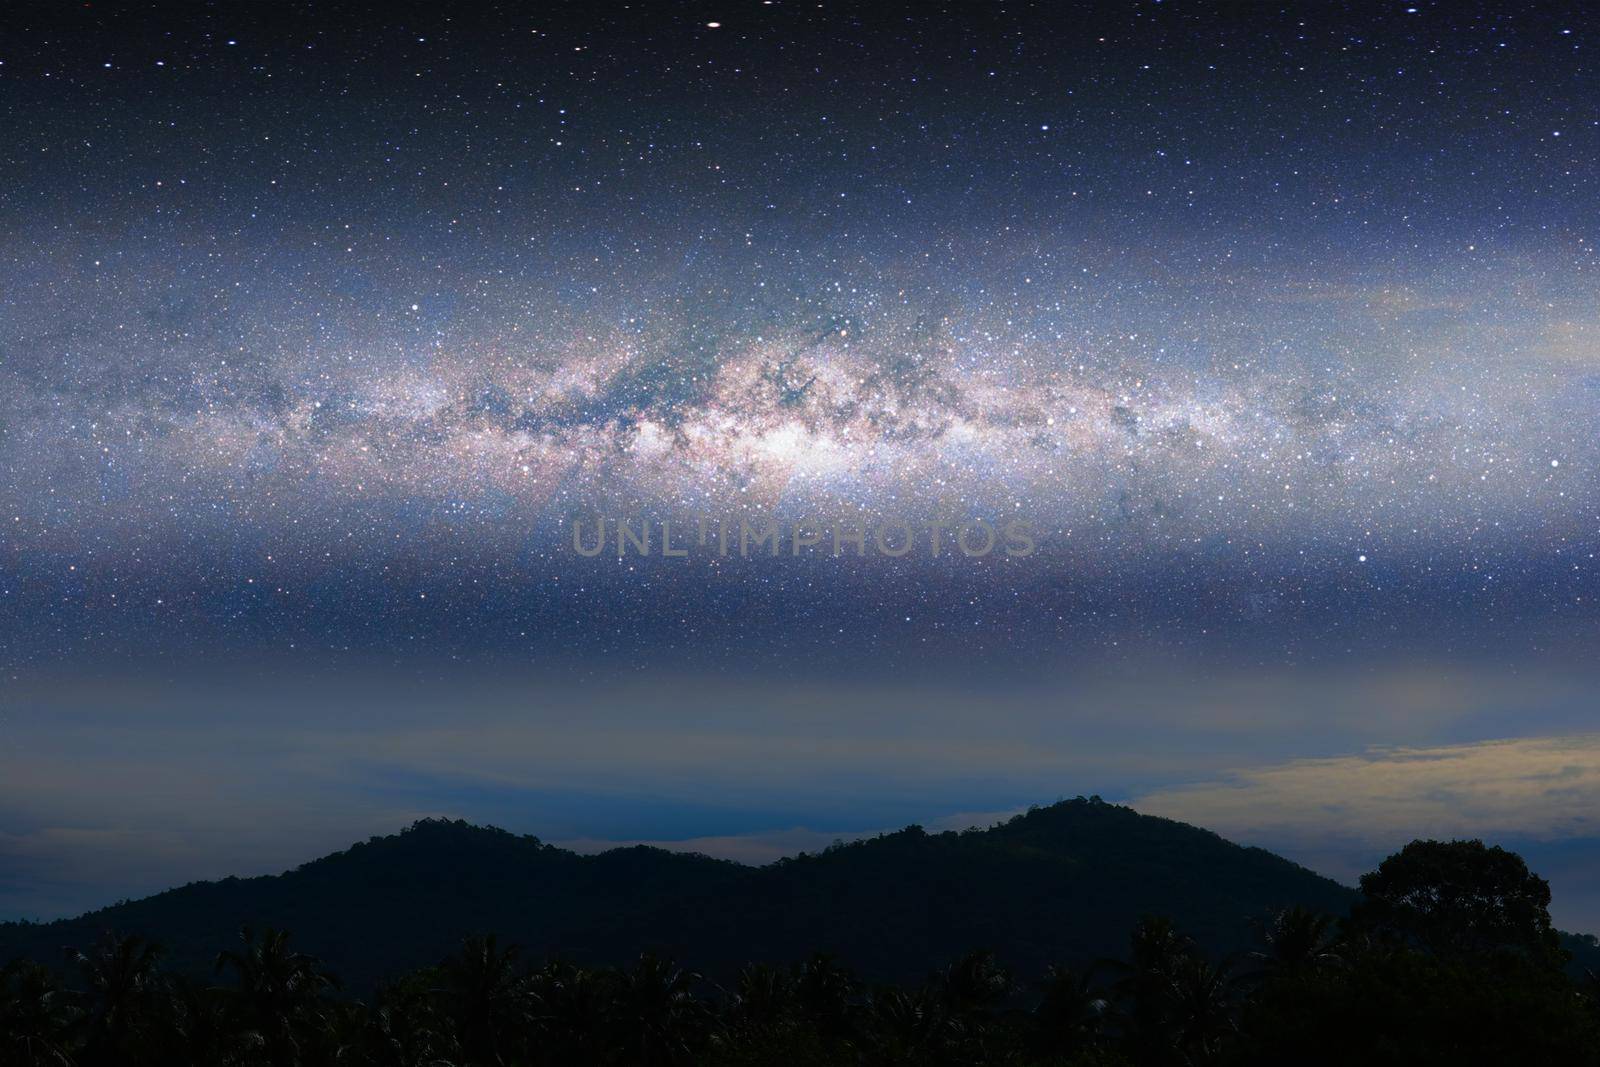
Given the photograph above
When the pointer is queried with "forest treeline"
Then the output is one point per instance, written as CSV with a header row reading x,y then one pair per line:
x,y
1449,958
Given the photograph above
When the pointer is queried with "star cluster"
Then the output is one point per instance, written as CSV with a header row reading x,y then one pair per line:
x,y
1281,326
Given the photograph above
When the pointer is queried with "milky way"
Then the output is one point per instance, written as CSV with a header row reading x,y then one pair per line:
x,y
1282,321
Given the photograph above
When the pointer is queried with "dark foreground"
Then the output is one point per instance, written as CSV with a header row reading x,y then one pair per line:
x,y
1449,958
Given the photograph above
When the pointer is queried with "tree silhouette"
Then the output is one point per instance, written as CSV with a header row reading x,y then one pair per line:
x,y
36,1017
764,996
1461,898
204,1029
1072,1012
278,994
407,1028
489,998
972,985
656,1005
1178,1006
826,994
1202,1005
575,1013
1296,940
1446,965
907,1026
127,999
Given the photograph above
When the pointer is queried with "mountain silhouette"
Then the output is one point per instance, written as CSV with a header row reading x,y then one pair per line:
x,y
1062,883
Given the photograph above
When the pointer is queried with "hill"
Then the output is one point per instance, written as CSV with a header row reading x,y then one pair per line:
x,y
1062,883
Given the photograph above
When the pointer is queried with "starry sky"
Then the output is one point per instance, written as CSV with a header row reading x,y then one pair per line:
x,y
1280,325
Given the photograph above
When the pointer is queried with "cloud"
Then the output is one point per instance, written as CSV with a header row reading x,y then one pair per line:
x,y
1538,787
1342,815
115,788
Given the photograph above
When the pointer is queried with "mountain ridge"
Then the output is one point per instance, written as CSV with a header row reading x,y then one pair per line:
x,y
1061,883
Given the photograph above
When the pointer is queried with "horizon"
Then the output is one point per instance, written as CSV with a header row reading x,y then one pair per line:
x,y
749,850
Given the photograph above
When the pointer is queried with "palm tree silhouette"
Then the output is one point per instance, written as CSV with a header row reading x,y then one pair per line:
x,y
126,996
659,1012
825,993
490,999
1296,940
906,1025
1072,1012
764,996
1202,1008
972,985
1179,1006
405,1027
278,994
36,1017
204,1028
574,1013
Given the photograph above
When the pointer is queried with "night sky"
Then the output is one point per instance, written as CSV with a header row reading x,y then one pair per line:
x,y
1280,325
